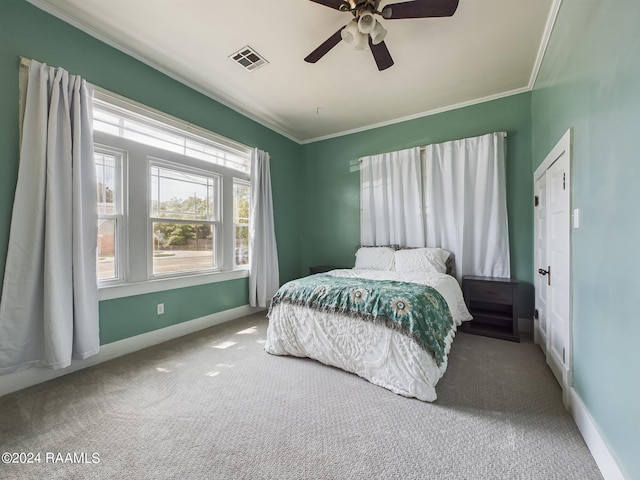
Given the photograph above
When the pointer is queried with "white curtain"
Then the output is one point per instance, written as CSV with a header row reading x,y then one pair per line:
x,y
466,204
49,303
391,199
264,276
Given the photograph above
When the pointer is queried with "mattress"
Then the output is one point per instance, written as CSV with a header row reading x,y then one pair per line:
x,y
384,356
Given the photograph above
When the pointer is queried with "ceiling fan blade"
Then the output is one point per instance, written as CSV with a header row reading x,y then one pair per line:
x,y
381,55
322,50
420,9
337,4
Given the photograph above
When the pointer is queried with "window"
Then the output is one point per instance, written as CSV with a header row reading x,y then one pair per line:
x,y
109,164
157,130
184,218
241,222
173,199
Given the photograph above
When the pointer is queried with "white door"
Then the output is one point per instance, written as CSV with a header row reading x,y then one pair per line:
x,y
540,259
552,261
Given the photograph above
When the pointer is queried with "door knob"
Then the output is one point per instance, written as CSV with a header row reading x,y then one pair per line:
x,y
546,272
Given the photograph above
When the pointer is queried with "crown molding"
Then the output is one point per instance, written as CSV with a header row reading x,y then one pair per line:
x,y
421,115
546,36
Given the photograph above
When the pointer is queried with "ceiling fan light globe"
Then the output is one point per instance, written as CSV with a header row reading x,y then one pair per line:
x,y
350,32
361,41
366,23
347,37
378,34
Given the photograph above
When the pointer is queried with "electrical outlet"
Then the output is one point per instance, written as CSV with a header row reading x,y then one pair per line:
x,y
160,308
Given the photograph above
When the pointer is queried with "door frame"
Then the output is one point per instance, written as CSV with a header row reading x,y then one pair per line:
x,y
560,150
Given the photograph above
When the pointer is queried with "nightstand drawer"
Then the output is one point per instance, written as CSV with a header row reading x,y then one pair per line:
x,y
490,292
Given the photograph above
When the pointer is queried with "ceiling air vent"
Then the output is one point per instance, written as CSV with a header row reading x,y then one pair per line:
x,y
248,58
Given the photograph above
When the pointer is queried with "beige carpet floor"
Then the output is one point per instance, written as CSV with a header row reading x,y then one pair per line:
x,y
214,405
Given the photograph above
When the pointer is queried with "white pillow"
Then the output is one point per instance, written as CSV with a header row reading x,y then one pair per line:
x,y
421,260
374,258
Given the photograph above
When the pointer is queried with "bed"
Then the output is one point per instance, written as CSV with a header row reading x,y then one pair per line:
x,y
391,319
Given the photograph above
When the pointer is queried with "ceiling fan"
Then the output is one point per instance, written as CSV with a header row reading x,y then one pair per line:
x,y
365,30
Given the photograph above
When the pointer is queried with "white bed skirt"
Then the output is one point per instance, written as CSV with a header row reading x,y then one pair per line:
x,y
376,353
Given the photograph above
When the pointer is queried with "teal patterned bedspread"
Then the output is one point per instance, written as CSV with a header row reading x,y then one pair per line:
x,y
417,311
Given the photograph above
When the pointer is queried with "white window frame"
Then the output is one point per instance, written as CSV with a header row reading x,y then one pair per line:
x,y
246,183
215,224
136,234
120,259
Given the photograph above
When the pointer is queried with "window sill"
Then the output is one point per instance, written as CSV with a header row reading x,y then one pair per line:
x,y
158,285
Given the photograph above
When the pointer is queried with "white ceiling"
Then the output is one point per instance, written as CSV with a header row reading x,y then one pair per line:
x,y
488,49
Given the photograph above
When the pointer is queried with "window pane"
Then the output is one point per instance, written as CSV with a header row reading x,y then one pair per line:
x,y
240,203
242,245
241,223
106,122
107,265
183,196
143,129
182,247
201,150
154,137
106,179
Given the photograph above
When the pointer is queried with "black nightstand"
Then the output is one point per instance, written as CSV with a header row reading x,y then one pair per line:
x,y
493,305
322,269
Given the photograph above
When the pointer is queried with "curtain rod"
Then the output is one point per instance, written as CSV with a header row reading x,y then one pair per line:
x,y
25,61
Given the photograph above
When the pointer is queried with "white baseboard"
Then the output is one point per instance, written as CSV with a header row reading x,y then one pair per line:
x,y
32,376
593,438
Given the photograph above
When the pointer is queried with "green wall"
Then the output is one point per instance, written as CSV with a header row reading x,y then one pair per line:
x,y
332,181
27,31
589,82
